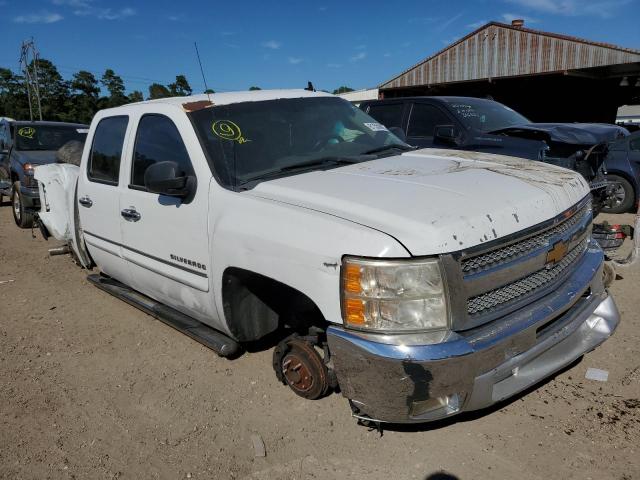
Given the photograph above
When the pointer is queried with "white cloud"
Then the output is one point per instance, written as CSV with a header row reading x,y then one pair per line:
x,y
477,24
359,56
295,60
599,8
73,3
322,9
42,17
334,65
386,54
447,23
86,9
361,47
272,44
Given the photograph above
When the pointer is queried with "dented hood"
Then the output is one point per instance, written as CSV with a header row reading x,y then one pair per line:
x,y
571,133
435,201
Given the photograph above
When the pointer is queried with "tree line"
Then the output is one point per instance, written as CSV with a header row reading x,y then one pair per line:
x,y
77,99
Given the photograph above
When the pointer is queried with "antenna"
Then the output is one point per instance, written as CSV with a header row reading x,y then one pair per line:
x,y
206,87
30,70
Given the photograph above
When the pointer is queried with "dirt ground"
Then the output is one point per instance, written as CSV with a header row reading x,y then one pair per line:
x,y
90,387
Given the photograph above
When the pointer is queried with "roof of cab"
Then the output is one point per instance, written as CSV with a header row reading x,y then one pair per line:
x,y
236,97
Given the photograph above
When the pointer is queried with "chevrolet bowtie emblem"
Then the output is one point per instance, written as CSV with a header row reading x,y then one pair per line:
x,y
557,253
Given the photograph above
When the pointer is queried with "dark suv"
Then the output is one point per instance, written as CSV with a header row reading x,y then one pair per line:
x,y
23,146
481,125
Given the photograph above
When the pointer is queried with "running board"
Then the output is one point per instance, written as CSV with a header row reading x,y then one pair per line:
x,y
207,336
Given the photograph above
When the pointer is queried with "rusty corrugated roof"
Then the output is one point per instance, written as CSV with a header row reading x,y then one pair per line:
x,y
501,50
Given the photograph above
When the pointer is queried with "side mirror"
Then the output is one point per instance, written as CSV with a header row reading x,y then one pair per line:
x,y
162,178
447,134
398,132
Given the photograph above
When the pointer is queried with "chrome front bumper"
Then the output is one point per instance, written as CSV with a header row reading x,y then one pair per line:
x,y
420,378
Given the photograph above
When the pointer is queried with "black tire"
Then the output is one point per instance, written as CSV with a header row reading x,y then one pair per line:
x,y
4,175
620,196
22,217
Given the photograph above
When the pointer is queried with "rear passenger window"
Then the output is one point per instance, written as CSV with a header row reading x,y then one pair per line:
x,y
635,144
424,119
106,150
158,140
389,115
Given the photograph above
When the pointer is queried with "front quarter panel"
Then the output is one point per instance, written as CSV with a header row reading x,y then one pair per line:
x,y
299,247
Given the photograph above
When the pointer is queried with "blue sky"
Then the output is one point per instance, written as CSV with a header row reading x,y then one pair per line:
x,y
279,44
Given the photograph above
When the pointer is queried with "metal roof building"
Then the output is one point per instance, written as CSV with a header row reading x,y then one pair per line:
x,y
547,76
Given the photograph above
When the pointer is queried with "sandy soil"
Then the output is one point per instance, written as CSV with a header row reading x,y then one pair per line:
x,y
90,387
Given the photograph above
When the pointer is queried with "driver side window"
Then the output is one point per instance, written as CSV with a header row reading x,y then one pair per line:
x,y
157,140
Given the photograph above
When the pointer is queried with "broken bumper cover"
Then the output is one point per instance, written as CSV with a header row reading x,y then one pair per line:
x,y
421,378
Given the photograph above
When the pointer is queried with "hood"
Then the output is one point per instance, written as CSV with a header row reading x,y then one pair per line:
x,y
572,133
435,201
36,157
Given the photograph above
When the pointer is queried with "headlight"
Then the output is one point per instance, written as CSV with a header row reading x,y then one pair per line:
x,y
28,169
393,295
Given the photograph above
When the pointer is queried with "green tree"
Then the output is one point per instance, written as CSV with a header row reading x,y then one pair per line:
x,y
343,89
84,101
135,96
181,87
254,88
54,92
209,90
158,91
115,86
13,95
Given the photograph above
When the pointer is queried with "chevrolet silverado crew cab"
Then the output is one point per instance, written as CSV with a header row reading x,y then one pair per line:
x,y
420,283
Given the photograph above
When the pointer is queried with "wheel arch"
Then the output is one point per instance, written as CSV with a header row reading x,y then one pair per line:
x,y
255,305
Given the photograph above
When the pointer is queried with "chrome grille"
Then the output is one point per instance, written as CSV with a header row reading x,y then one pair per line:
x,y
515,290
523,247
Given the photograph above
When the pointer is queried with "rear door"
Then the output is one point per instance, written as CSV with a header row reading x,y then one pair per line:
x,y
98,197
389,114
166,238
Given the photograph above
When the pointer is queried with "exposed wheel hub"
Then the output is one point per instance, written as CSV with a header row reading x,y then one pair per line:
x,y
299,365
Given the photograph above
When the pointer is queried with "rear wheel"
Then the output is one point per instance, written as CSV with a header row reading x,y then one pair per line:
x,y
619,195
22,216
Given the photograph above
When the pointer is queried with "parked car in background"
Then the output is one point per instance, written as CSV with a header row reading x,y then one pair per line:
x,y
422,283
23,146
623,172
477,124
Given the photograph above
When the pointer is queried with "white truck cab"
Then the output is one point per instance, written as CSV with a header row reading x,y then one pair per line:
x,y
423,283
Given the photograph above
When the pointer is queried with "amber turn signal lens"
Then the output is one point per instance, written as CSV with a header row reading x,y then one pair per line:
x,y
352,279
354,311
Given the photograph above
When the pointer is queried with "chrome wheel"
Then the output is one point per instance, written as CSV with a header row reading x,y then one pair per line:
x,y
15,201
615,195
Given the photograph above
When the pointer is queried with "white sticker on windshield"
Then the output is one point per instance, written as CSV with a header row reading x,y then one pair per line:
x,y
82,130
376,127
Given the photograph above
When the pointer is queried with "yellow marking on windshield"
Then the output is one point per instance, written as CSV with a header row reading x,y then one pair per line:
x,y
228,130
27,132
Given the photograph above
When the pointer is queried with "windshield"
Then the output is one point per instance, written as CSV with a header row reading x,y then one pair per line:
x,y
47,137
251,141
485,115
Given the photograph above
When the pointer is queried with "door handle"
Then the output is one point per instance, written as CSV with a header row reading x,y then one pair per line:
x,y
85,201
130,214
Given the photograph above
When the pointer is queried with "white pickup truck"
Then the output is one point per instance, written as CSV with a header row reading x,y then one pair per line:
x,y
419,283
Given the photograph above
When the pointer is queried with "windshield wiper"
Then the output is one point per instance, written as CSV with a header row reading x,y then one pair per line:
x,y
393,146
321,161
324,161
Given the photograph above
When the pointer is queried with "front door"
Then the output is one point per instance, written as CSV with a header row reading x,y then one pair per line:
x,y
165,238
98,197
